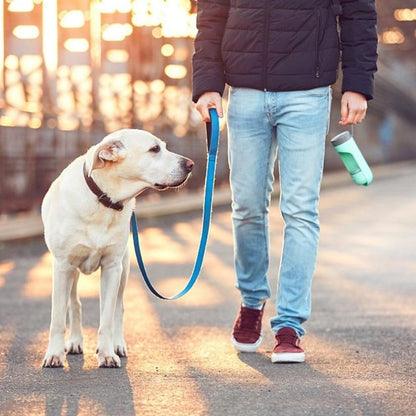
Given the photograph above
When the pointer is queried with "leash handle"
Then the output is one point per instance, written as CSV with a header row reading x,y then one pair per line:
x,y
213,134
212,128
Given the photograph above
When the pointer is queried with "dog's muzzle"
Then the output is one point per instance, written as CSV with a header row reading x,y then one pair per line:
x,y
187,165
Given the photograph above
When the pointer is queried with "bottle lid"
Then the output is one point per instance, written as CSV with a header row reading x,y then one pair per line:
x,y
341,138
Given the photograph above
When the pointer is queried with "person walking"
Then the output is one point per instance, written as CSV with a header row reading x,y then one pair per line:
x,y
280,58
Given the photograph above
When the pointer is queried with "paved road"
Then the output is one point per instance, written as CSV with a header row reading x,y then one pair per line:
x,y
360,345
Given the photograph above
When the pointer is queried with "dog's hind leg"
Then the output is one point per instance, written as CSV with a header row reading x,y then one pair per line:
x,y
119,343
109,287
75,340
63,277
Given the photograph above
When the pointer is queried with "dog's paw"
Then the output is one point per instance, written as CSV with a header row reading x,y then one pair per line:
x,y
53,360
108,360
74,346
120,348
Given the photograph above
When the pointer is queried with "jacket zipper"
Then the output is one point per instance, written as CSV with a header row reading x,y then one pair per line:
x,y
318,32
266,45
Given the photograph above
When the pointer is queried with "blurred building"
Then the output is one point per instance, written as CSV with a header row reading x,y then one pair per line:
x,y
71,71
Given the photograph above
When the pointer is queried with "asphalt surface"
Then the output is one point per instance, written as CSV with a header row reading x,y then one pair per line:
x,y
360,343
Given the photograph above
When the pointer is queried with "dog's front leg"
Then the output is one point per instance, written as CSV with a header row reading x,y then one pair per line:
x,y
75,341
109,287
63,277
119,343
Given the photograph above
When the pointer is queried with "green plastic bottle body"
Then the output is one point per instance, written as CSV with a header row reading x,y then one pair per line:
x,y
352,158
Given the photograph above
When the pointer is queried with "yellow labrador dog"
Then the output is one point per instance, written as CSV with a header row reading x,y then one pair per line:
x,y
86,214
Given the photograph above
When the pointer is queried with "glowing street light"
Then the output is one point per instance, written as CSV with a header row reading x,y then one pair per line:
x,y
72,19
22,6
117,55
393,36
176,71
26,32
116,32
405,15
77,45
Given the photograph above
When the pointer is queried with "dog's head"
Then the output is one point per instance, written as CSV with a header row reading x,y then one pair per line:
x,y
136,156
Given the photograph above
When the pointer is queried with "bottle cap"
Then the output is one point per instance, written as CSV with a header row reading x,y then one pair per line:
x,y
341,138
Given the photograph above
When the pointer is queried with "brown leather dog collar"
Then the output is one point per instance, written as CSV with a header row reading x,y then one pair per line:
x,y
102,197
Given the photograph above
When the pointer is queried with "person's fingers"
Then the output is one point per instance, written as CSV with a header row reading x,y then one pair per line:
x,y
344,111
353,108
359,117
358,114
218,107
209,100
202,109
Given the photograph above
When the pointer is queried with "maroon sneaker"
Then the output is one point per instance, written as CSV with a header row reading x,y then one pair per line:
x,y
287,349
246,336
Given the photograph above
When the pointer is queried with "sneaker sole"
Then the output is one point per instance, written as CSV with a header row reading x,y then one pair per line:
x,y
239,346
288,357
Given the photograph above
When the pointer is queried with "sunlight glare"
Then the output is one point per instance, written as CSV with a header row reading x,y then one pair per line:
x,y
1,49
374,364
146,340
141,87
176,21
39,279
216,343
26,32
116,32
176,71
110,6
203,294
117,55
147,13
77,45
181,53
7,338
405,15
50,36
172,16
157,86
72,19
221,235
157,32
23,6
11,62
5,268
89,362
393,36
29,63
167,49
89,286
160,248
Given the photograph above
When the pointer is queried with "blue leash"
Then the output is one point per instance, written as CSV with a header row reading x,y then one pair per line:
x,y
212,142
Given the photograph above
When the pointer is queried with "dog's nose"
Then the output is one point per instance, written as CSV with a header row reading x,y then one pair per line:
x,y
188,165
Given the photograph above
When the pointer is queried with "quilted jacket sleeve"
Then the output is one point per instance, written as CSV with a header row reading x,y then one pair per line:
x,y
208,68
359,46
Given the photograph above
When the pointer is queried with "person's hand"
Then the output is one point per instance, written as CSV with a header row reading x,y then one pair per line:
x,y
209,100
353,108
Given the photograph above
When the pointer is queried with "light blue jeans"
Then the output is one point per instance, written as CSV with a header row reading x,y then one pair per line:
x,y
261,125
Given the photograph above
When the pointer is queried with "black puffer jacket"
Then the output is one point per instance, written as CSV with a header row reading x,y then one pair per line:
x,y
284,45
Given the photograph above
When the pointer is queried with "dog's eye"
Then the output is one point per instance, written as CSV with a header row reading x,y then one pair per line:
x,y
155,149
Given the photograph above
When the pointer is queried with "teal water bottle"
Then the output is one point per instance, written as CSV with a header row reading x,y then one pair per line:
x,y
352,158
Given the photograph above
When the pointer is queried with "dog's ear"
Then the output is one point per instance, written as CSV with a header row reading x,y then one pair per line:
x,y
109,152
